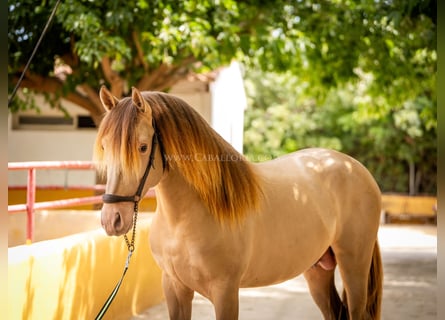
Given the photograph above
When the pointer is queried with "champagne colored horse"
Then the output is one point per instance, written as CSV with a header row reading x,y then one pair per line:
x,y
223,223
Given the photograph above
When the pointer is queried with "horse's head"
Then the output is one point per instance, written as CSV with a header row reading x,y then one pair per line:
x,y
123,148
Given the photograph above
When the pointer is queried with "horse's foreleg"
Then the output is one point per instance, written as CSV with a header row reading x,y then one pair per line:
x,y
225,299
322,288
179,299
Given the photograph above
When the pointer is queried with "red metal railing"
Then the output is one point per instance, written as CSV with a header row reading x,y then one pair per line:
x,y
31,204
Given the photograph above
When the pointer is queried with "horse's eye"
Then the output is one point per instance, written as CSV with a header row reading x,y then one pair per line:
x,y
143,148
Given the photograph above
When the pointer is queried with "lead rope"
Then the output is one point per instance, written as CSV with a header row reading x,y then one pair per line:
x,y
111,198
130,246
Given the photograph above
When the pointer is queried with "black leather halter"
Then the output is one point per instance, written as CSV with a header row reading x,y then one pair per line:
x,y
112,198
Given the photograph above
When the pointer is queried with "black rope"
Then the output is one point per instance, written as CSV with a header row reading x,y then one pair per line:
x,y
33,53
110,299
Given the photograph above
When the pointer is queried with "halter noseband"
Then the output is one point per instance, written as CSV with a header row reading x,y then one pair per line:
x,y
112,198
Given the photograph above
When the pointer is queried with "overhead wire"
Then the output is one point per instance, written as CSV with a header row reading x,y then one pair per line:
x,y
45,29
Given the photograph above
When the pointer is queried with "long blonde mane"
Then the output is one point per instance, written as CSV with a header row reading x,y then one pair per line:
x,y
222,177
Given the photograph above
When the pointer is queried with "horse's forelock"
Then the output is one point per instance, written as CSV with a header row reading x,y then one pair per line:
x,y
118,128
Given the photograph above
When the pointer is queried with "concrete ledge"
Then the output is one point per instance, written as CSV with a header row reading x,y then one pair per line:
x,y
71,277
52,224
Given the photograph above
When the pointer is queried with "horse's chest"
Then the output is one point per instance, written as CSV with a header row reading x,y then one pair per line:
x,y
178,262
165,248
195,258
173,253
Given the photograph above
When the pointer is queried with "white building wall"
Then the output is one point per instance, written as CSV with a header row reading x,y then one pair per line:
x,y
51,145
228,105
197,95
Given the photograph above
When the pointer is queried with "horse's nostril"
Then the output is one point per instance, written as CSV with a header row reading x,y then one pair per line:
x,y
117,222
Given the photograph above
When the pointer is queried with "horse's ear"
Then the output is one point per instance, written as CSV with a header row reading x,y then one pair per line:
x,y
139,101
108,100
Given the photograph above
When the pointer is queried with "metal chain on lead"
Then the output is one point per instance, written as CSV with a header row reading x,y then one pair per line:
x,y
130,245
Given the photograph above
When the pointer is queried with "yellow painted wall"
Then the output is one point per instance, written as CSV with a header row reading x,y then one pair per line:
x,y
71,277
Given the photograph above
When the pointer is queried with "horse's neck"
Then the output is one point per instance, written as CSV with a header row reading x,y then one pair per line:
x,y
177,201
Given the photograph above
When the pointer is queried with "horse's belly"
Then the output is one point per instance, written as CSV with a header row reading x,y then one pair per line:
x,y
278,261
269,277
278,270
285,245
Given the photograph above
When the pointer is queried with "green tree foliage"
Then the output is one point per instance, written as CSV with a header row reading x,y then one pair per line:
x,y
153,44
397,144
148,44
365,85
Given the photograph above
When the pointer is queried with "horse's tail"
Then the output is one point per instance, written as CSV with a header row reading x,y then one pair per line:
x,y
375,285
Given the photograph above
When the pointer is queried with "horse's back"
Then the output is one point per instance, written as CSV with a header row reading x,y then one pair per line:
x,y
317,170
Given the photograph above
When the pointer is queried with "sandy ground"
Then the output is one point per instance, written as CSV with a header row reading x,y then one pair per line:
x,y
409,254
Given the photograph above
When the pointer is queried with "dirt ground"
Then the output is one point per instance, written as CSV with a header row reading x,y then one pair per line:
x,y
409,254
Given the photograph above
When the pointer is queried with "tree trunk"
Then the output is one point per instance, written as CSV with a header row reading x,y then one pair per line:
x,y
412,178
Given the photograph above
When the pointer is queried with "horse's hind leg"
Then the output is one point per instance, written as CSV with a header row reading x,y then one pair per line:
x,y
354,266
322,288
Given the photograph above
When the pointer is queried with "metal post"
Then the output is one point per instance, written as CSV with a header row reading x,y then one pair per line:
x,y
30,200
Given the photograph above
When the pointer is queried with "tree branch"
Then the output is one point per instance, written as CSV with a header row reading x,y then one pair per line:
x,y
165,75
89,100
139,50
93,95
116,82
147,80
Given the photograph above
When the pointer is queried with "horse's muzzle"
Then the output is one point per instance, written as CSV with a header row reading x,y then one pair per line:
x,y
113,220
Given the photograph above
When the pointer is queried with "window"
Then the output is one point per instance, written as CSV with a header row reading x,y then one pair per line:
x,y
42,122
85,122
